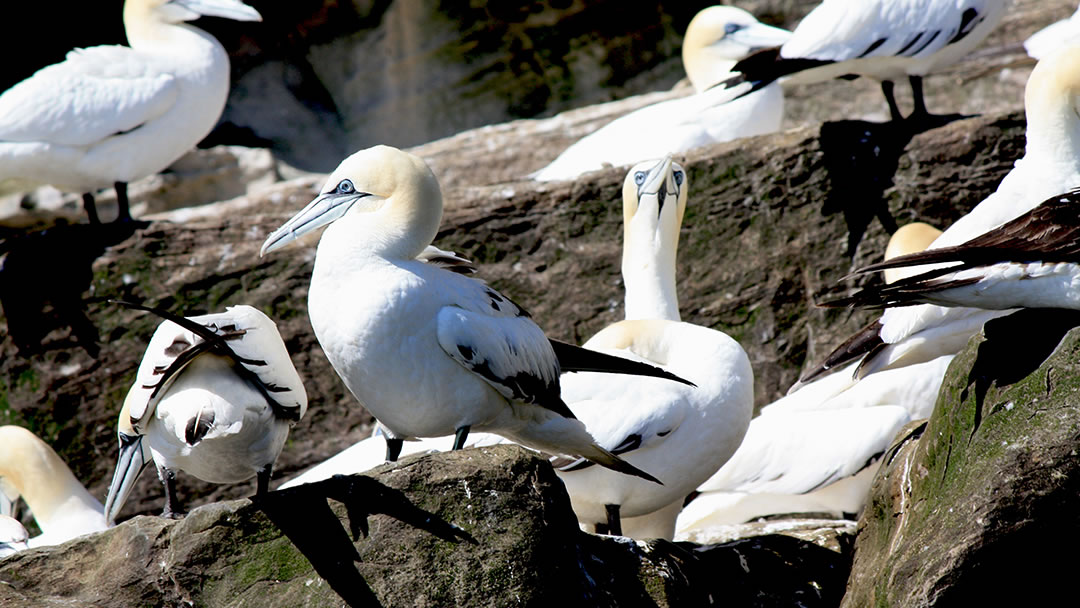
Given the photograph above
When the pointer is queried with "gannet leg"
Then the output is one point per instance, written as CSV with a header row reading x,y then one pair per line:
x,y
460,436
393,448
887,87
614,522
917,95
262,478
124,208
172,504
91,208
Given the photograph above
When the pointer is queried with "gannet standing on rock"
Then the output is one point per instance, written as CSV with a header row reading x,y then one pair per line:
x,y
882,39
716,38
108,115
62,507
682,434
215,396
427,351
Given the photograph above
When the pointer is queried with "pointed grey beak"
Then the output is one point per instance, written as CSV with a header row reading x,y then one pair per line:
x,y
133,458
324,209
659,182
757,36
226,9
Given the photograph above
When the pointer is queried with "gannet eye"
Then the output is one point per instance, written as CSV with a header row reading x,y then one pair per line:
x,y
639,178
678,178
346,187
731,28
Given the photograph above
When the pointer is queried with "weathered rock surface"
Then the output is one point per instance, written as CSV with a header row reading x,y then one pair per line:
x,y
977,506
483,527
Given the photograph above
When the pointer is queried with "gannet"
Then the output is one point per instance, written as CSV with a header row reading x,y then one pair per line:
x,y
715,39
427,351
214,396
1055,35
13,536
108,115
1030,262
882,39
132,458
682,434
1050,166
62,507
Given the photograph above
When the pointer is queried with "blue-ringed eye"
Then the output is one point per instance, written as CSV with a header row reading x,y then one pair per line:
x,y
346,187
639,178
678,178
731,28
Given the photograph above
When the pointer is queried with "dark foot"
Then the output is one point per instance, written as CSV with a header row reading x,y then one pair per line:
x,y
614,523
393,449
172,510
123,207
262,480
887,87
90,207
460,437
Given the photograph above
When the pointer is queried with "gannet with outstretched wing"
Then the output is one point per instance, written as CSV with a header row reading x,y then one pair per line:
x,y
108,115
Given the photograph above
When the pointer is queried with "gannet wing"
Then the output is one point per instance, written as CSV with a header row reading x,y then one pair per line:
x,y
93,94
446,259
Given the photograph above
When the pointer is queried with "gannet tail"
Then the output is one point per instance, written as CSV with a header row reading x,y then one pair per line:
x,y
608,460
766,66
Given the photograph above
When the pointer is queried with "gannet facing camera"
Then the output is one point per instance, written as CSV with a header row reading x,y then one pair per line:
x,y
215,396
427,351
716,38
108,115
62,507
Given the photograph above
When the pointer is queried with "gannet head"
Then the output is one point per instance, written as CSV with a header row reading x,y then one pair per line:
x,y
13,536
719,36
38,474
381,199
137,12
1052,106
910,238
133,457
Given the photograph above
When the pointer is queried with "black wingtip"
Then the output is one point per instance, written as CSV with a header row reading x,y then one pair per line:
x,y
859,344
577,359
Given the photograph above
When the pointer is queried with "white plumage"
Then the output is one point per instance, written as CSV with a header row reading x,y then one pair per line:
x,y
13,536
113,114
715,39
1056,35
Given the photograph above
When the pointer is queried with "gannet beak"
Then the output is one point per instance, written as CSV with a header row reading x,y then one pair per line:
x,y
756,36
324,209
228,9
659,182
134,456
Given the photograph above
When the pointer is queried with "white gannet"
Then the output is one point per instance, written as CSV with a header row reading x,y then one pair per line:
x,y
13,536
1055,35
882,39
1050,166
108,115
682,434
132,458
62,507
715,39
1030,262
215,396
427,351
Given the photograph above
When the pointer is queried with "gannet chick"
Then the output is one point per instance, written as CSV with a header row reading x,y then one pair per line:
x,y
13,536
62,507
680,433
1057,34
716,38
215,396
1030,262
427,351
881,39
108,115
1050,166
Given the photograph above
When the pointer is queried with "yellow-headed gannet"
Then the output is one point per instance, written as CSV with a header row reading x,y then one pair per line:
x,y
715,39
427,351
1030,262
108,115
62,507
132,458
1050,166
13,536
681,433
215,396
1053,36
909,238
881,39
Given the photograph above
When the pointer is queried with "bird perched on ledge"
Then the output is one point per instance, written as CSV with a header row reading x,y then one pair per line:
x,y
108,115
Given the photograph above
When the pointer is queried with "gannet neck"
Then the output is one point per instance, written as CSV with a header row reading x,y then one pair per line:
x,y
1052,107
41,477
654,201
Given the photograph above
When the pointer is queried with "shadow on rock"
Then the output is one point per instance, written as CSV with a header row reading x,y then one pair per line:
x,y
42,280
304,515
861,159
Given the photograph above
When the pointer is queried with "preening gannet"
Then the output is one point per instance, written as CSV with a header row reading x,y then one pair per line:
x,y
881,39
1050,166
716,38
1030,262
62,507
13,536
1053,36
108,115
214,396
427,351
682,434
